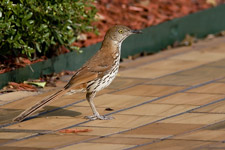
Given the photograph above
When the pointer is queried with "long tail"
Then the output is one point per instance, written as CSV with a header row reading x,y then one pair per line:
x,y
39,105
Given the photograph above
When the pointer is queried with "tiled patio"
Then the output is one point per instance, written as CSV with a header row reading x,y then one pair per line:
x,y
173,100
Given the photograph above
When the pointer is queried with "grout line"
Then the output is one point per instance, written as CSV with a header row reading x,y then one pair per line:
x,y
150,79
184,90
38,93
197,107
10,101
163,58
166,138
159,59
168,117
192,49
205,93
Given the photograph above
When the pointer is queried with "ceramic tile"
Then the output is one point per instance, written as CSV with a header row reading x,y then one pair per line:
x,y
174,145
123,121
180,80
150,90
218,107
14,135
214,88
158,130
49,141
203,135
117,101
195,99
123,140
163,110
196,118
96,146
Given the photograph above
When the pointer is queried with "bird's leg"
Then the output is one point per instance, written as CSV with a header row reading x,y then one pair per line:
x,y
96,115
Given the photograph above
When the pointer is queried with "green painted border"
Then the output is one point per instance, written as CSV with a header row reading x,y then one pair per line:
x,y
152,40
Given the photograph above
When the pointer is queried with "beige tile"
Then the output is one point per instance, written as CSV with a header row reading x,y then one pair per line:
x,y
26,102
20,148
72,98
10,112
200,56
74,112
156,57
217,126
220,63
172,64
3,102
158,130
96,146
196,118
222,80
7,115
163,110
7,97
123,121
215,88
14,135
213,108
160,68
173,145
121,82
3,141
203,135
30,101
49,141
210,73
217,48
148,136
117,101
46,123
145,73
180,80
149,90
123,140
216,146
189,99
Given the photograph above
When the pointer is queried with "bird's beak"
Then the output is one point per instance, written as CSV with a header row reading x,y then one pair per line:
x,y
136,31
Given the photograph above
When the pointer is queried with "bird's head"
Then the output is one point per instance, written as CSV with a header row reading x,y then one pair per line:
x,y
119,33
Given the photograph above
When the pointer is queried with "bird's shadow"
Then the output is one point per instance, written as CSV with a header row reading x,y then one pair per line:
x,y
51,111
7,115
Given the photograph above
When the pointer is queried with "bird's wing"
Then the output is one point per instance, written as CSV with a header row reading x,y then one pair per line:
x,y
82,76
95,68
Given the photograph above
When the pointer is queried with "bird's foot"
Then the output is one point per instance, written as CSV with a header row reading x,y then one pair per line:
x,y
98,117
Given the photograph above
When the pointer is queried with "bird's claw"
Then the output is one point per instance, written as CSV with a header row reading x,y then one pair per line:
x,y
95,117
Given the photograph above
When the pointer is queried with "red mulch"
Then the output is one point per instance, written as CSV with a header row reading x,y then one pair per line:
x,y
139,14
136,14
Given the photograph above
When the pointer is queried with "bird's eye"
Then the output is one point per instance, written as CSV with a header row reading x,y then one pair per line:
x,y
120,31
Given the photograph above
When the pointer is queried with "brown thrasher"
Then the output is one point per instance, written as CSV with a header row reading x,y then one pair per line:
x,y
95,74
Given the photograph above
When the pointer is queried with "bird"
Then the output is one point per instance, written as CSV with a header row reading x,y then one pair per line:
x,y
96,74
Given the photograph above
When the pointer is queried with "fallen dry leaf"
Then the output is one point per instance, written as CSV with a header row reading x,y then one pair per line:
x,y
74,130
22,86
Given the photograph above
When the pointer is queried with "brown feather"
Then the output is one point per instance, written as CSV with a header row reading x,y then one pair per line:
x,y
39,105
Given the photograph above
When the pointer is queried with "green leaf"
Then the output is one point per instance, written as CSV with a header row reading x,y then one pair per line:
x,y
72,40
39,84
28,26
38,47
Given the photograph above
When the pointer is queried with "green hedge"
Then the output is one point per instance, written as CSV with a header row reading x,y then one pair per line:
x,y
29,27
